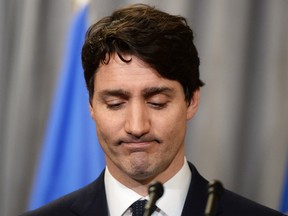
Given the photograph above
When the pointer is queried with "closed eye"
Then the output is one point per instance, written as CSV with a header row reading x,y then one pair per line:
x,y
115,106
157,105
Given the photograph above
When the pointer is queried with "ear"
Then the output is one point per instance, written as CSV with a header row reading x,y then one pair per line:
x,y
91,110
193,106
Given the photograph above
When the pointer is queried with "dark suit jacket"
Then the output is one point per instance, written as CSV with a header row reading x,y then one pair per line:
x,y
91,201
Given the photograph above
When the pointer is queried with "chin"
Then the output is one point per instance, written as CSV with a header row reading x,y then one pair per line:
x,y
143,175
143,178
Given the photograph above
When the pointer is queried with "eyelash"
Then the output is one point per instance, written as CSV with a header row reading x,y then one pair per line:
x,y
157,105
117,106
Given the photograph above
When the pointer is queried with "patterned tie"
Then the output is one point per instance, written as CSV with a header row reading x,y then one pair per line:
x,y
138,208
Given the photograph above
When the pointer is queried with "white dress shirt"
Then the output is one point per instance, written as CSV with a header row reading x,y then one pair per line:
x,y
120,198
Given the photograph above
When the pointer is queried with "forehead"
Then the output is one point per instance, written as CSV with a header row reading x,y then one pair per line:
x,y
130,76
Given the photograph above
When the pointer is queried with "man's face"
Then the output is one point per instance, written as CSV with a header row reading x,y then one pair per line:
x,y
140,119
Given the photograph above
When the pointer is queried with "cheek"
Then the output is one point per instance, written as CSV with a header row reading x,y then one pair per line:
x,y
106,137
107,126
176,133
172,127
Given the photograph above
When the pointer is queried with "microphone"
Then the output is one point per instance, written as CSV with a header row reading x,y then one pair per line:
x,y
215,190
155,191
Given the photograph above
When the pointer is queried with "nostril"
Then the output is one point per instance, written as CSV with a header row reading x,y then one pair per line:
x,y
137,119
137,128
137,132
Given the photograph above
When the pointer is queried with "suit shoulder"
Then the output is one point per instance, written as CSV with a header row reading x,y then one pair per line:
x,y
62,205
234,204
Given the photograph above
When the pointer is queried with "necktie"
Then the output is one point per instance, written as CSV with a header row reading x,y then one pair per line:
x,y
138,208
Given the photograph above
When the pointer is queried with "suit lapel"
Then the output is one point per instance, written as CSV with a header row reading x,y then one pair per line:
x,y
93,201
197,195
196,200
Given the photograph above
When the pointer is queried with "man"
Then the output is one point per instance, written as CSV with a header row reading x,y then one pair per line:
x,y
142,73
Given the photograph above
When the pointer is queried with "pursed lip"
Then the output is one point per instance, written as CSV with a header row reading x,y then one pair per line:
x,y
138,146
138,141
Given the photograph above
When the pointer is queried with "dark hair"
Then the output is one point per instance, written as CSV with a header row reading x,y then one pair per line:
x,y
163,41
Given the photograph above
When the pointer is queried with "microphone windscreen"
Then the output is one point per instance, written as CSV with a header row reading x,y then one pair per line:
x,y
215,187
156,188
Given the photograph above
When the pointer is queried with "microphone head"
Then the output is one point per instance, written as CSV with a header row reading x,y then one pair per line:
x,y
215,187
156,188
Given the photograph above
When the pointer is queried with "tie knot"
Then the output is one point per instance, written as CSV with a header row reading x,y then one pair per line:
x,y
138,207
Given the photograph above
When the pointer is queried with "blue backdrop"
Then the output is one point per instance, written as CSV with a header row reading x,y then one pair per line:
x,y
71,156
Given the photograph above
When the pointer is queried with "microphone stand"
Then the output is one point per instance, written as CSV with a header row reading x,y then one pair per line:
x,y
215,190
155,191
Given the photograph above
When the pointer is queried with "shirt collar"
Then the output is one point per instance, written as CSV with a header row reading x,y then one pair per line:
x,y
175,191
119,197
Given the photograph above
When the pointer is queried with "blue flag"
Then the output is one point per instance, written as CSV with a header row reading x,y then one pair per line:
x,y
71,156
284,204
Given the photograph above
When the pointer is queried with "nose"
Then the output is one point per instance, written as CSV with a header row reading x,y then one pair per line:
x,y
137,120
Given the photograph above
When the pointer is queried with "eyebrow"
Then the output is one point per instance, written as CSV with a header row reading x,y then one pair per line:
x,y
114,92
149,92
